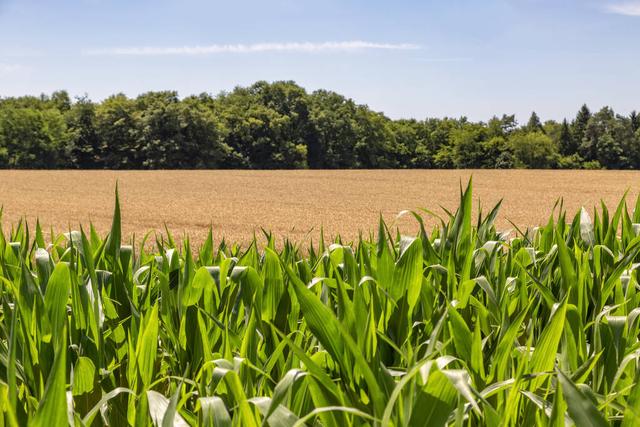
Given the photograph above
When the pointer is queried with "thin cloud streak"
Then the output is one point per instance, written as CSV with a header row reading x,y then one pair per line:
x,y
293,47
452,59
630,8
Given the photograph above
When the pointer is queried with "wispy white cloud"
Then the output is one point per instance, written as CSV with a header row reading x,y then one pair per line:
x,y
6,69
305,47
628,8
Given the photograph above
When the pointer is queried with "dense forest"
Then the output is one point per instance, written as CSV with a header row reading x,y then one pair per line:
x,y
281,126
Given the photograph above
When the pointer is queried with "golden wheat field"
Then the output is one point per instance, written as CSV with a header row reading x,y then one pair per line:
x,y
293,204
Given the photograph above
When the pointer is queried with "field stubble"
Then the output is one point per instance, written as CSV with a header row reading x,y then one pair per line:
x,y
293,204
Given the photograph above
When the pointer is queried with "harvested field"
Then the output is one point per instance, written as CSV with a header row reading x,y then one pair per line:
x,y
291,203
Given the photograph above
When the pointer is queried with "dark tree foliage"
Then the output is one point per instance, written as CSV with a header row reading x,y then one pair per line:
x,y
32,138
117,123
534,124
281,126
566,142
83,147
635,121
580,128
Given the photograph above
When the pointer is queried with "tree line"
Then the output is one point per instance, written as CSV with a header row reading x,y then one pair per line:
x,y
281,126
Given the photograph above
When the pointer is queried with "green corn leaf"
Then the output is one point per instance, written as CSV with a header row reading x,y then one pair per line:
x,y
546,348
435,403
274,415
56,296
193,290
84,375
408,272
581,409
158,410
632,410
52,409
114,240
273,285
147,347
462,337
214,413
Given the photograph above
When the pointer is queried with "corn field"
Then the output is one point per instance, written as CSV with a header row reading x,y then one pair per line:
x,y
461,325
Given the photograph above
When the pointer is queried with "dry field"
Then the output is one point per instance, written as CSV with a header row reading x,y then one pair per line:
x,y
290,203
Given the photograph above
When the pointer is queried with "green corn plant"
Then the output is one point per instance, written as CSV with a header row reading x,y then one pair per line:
x,y
460,325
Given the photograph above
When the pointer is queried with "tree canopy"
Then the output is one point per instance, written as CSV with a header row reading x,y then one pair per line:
x,y
280,125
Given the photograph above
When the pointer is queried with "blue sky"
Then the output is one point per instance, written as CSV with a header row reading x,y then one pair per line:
x,y
405,58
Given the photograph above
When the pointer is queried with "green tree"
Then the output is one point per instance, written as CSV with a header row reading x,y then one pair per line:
x,y
116,127
609,140
468,148
31,138
261,135
375,142
292,102
439,140
503,126
498,154
158,129
178,134
534,124
566,142
412,144
60,100
635,121
334,119
279,125
533,150
579,126
202,139
82,149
